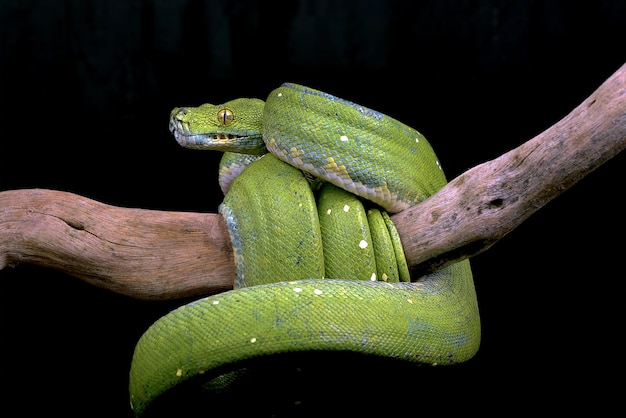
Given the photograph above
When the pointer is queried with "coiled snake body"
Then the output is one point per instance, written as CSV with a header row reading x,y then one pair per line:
x,y
319,264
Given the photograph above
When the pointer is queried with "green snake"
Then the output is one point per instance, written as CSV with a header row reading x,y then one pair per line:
x,y
310,180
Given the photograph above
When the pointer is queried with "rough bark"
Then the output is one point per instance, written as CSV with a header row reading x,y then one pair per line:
x,y
485,203
142,253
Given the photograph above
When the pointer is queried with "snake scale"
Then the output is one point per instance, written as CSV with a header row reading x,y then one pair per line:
x,y
309,182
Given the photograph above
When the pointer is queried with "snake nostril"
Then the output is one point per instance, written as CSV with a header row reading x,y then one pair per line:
x,y
179,113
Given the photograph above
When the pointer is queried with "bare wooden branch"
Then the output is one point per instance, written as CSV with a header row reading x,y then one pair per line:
x,y
482,205
145,254
150,254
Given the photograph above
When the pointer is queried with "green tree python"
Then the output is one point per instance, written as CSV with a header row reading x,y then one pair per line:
x,y
309,182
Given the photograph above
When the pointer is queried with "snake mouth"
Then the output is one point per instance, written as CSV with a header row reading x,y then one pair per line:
x,y
250,143
185,138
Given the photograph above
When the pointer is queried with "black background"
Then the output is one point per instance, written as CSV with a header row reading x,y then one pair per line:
x,y
85,92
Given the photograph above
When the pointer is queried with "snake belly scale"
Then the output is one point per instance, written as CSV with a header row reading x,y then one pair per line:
x,y
319,264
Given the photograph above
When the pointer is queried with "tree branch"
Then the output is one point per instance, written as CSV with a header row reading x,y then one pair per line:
x,y
151,254
142,253
485,203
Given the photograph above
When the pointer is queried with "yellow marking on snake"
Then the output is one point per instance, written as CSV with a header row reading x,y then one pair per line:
x,y
331,167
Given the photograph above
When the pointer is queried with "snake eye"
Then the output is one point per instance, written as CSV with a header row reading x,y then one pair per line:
x,y
225,117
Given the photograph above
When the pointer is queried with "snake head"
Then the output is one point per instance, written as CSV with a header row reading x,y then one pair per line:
x,y
234,126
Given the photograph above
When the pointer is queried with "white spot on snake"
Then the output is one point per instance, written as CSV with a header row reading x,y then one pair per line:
x,y
346,208
343,138
216,302
179,372
417,140
317,292
297,289
409,300
373,278
438,164
363,244
252,340
280,95
385,277
328,211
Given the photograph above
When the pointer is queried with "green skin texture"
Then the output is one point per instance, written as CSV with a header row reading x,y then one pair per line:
x,y
317,267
